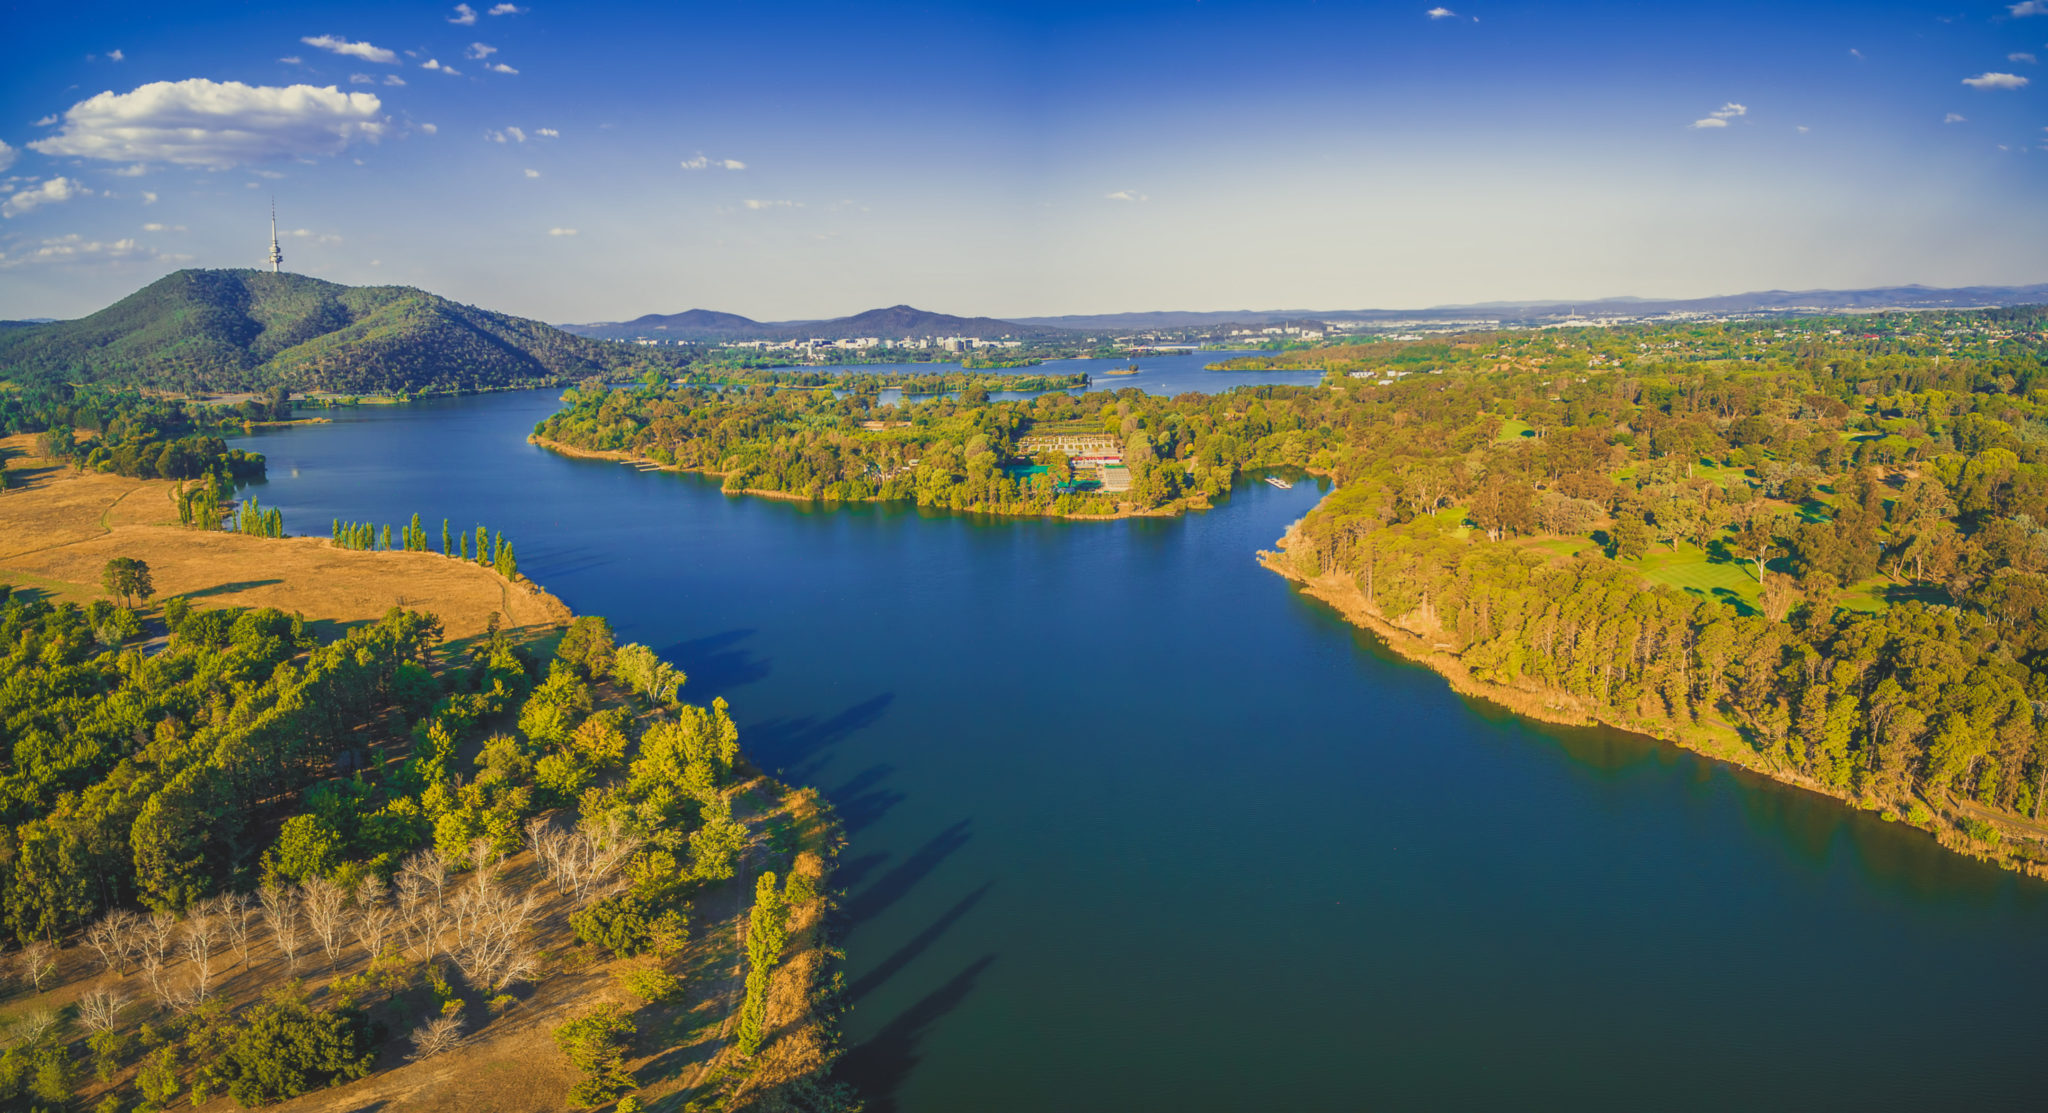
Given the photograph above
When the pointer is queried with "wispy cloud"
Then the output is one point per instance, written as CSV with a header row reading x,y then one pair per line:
x,y
148,198
47,120
77,249
8,155
464,15
155,227
756,204
115,55
533,173
1996,81
1125,195
393,79
517,135
292,60
2022,56
55,191
2029,7
435,64
548,133
1719,117
197,122
337,45
479,51
699,162
1955,118
1441,13
507,9
1855,53
500,67
562,232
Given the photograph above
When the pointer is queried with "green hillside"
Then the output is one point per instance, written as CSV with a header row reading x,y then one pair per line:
x,y
227,330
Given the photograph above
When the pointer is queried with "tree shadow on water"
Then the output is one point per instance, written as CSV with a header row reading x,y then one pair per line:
x,y
716,664
918,944
860,803
878,1066
892,886
786,743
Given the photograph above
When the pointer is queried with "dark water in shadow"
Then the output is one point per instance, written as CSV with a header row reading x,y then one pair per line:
x,y
1134,825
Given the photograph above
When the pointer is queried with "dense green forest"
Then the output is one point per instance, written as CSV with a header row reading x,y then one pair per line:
x,y
1823,541
249,782
198,331
958,453
128,433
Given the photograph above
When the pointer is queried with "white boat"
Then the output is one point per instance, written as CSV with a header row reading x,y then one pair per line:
x,y
1280,483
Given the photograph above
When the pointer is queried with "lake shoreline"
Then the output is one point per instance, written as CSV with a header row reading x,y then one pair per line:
x,y
1554,706
643,463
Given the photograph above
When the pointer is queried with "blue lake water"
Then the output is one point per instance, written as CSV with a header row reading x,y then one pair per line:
x,y
1134,825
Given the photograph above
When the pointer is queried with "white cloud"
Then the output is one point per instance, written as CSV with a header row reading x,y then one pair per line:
x,y
562,231
533,173
7,155
757,205
75,248
365,51
52,192
2029,7
548,133
507,9
2022,56
501,136
1126,195
1442,13
319,239
116,56
197,122
135,171
361,79
500,67
481,51
148,198
516,134
47,120
393,79
435,64
1996,81
699,162
464,15
153,226
1801,128
292,60
429,128
1955,118
1719,117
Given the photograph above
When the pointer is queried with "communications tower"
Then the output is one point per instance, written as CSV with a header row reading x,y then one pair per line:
x,y
276,252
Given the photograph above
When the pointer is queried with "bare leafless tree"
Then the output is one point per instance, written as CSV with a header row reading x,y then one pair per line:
x,y
100,1009
489,926
112,935
237,915
153,970
33,1027
155,935
435,1036
324,903
201,934
587,863
374,918
37,961
281,911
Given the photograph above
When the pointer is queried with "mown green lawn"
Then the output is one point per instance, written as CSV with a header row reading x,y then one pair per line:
x,y
1689,570
1511,430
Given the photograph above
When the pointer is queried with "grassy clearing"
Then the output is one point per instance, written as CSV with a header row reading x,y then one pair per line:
x,y
59,529
1689,569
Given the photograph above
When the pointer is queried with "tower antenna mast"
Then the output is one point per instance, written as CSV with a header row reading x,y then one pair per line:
x,y
276,252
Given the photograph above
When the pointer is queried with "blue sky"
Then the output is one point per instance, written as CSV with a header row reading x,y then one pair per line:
x,y
599,161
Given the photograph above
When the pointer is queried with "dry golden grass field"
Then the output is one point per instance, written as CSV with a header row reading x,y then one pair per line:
x,y
59,529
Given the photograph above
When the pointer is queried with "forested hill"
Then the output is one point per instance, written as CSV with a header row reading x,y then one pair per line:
x,y
224,330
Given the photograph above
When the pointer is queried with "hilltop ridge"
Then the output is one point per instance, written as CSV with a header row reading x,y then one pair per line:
x,y
228,330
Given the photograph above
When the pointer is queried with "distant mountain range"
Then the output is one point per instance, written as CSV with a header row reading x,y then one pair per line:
x,y
896,322
232,330
1764,301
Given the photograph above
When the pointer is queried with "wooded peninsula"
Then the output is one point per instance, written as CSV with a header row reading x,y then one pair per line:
x,y
1811,546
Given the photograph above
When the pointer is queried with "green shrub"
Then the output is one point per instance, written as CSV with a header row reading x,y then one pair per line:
x,y
651,984
596,1045
284,1048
